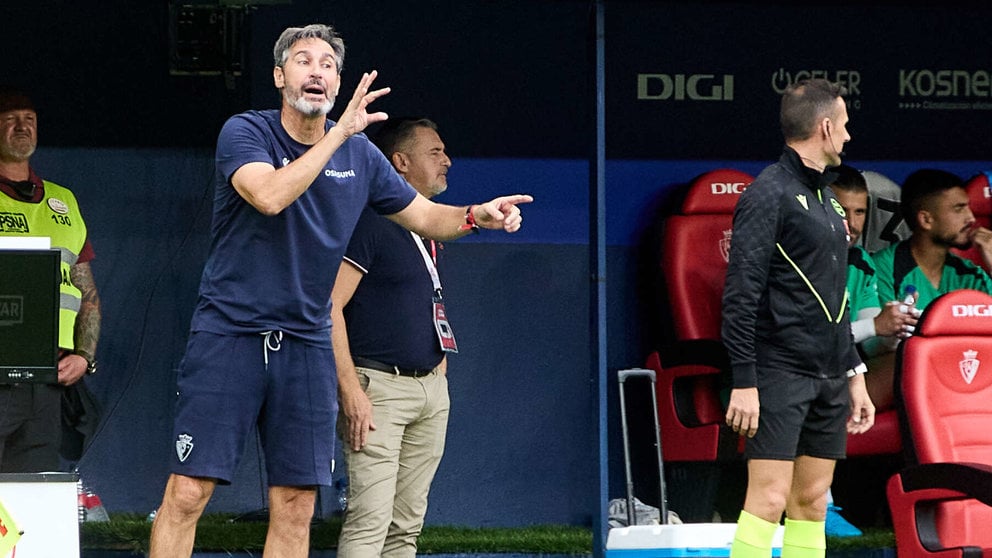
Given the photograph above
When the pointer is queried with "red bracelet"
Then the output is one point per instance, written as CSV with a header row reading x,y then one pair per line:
x,y
470,224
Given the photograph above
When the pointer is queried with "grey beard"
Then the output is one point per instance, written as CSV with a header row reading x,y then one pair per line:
x,y
306,108
18,154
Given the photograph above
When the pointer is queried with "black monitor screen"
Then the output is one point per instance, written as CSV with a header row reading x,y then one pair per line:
x,y
29,315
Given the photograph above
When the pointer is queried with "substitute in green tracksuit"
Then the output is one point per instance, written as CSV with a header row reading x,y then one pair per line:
x,y
935,205
872,324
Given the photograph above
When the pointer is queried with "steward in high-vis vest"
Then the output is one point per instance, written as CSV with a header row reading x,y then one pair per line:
x,y
32,420
57,217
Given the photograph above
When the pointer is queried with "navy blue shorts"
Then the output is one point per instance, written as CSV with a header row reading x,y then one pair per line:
x,y
800,415
226,390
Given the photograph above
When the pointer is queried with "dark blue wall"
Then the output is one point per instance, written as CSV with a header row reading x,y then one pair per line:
x,y
509,83
520,446
520,431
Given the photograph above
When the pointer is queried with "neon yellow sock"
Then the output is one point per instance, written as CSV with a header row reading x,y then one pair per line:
x,y
753,538
804,539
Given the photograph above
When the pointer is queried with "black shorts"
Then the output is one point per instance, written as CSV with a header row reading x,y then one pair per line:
x,y
800,415
30,427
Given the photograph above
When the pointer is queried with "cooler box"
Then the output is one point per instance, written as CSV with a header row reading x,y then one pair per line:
x,y
45,507
677,541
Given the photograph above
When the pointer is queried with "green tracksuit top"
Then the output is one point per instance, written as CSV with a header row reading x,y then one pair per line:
x,y
896,269
862,285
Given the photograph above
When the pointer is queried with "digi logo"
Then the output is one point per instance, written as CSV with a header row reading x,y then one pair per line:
x,y
694,87
721,188
971,310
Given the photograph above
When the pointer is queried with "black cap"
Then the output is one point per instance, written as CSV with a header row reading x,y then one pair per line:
x,y
14,99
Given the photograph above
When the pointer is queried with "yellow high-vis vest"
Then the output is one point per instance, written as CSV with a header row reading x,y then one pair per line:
x,y
57,217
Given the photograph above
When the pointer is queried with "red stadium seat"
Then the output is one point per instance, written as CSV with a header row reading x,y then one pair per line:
x,y
695,250
980,201
940,504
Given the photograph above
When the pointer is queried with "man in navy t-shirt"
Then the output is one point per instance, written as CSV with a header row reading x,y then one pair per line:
x,y
390,347
291,185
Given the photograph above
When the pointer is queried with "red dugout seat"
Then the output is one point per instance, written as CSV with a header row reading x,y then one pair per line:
x,y
695,251
940,504
980,201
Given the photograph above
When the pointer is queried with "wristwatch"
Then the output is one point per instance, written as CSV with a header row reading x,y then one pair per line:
x,y
90,363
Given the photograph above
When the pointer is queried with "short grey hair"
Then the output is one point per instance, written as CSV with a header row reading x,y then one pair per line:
x,y
291,35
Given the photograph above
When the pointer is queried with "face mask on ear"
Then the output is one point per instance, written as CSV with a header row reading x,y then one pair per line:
x,y
25,189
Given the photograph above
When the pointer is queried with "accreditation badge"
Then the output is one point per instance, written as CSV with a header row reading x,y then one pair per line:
x,y
444,334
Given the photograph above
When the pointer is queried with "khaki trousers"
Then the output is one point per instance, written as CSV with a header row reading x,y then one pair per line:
x,y
388,480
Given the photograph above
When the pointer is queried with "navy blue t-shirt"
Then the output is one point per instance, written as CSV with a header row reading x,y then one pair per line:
x,y
391,315
276,272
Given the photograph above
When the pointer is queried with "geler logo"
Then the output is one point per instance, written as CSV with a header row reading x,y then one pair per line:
x,y
969,310
13,223
694,87
719,188
969,366
11,310
850,79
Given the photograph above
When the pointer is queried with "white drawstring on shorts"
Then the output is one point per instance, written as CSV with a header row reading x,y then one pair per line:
x,y
272,342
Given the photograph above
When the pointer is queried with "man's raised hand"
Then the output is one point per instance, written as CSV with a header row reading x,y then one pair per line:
x,y
356,116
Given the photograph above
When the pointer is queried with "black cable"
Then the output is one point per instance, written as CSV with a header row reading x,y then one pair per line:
x,y
145,321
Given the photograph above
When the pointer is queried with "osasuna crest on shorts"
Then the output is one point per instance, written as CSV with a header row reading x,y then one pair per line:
x,y
184,446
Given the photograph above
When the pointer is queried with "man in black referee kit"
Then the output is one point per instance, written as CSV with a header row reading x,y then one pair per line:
x,y
798,380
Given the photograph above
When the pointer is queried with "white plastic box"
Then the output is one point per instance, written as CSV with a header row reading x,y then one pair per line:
x,y
45,507
688,540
